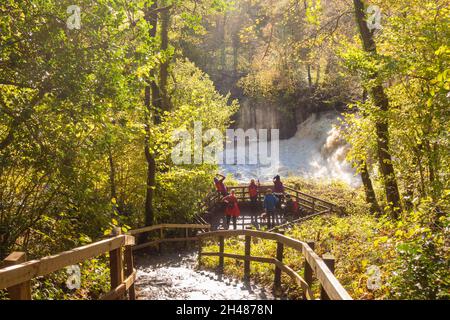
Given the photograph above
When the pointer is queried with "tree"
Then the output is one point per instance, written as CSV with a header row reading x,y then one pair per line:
x,y
381,100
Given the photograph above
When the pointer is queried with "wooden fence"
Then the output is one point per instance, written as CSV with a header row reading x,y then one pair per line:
x,y
18,273
313,204
189,229
322,269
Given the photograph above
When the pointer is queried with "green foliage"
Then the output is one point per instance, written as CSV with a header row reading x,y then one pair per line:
x,y
72,128
94,283
422,264
412,64
412,254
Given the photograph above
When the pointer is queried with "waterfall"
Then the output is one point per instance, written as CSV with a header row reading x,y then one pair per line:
x,y
316,151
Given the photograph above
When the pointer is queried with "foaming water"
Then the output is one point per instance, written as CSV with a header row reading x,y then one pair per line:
x,y
173,276
316,151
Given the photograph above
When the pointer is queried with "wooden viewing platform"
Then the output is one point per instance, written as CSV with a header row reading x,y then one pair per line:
x,y
211,211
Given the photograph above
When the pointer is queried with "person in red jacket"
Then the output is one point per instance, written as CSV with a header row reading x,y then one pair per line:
x,y
253,192
232,210
292,207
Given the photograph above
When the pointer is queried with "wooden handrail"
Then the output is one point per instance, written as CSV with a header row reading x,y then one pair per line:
x,y
19,274
297,221
330,285
162,239
316,205
168,226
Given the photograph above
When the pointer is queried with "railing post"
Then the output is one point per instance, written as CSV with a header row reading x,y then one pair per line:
x,y
330,262
221,251
161,236
277,281
21,291
129,269
200,243
248,243
308,272
186,235
116,264
313,206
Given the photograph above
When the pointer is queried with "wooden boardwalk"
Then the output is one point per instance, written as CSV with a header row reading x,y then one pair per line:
x,y
249,218
16,276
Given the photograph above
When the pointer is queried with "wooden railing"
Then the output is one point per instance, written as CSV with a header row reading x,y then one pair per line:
x,y
17,274
296,221
189,235
316,205
209,202
322,269
313,204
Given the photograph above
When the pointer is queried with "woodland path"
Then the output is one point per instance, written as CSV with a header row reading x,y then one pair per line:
x,y
174,276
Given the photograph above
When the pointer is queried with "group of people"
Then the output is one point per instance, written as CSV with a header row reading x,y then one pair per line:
x,y
274,201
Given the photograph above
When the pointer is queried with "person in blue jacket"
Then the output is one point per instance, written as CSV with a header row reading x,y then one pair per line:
x,y
270,204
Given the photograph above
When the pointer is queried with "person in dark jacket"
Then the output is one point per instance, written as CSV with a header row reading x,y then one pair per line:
x,y
220,186
232,210
270,205
278,190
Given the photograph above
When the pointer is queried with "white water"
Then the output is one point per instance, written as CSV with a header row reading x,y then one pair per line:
x,y
316,151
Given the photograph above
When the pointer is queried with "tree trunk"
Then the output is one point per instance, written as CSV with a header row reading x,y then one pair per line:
x,y
316,85
223,53
112,179
236,44
152,103
368,188
151,184
382,128
164,68
308,69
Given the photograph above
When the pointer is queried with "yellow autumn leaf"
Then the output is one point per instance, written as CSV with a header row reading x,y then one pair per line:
x,y
364,263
